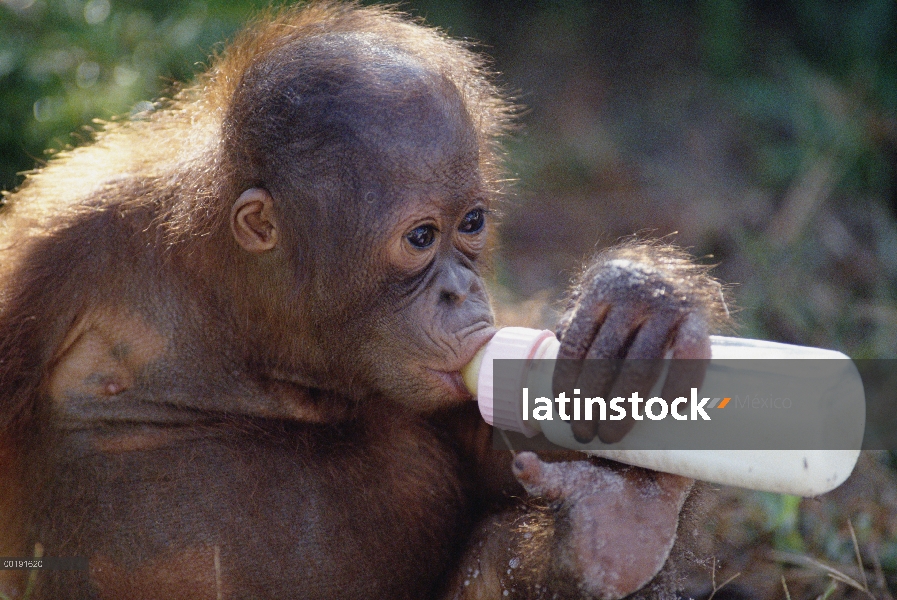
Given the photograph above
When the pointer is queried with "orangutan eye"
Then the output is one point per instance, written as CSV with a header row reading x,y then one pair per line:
x,y
473,222
422,237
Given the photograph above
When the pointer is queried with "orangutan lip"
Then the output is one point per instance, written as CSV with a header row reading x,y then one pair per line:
x,y
454,382
481,338
451,376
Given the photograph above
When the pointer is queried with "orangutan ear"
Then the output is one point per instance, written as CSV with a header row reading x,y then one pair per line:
x,y
252,221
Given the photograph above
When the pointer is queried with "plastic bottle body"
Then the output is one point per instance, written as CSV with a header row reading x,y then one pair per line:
x,y
800,472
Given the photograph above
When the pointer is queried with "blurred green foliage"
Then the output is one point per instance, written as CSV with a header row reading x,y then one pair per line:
x,y
817,80
783,514
64,63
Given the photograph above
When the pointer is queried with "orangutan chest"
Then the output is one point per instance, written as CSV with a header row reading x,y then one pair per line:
x,y
276,513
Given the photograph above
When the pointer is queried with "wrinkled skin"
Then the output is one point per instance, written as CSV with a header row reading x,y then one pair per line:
x,y
641,303
245,381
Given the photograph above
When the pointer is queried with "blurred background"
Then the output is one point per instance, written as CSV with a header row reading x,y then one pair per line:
x,y
764,134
